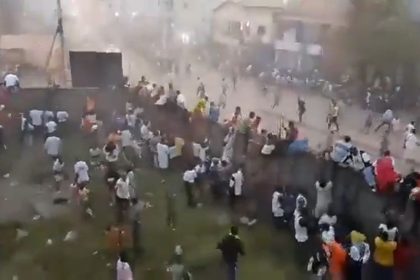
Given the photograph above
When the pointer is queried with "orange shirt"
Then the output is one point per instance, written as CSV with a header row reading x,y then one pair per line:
x,y
338,257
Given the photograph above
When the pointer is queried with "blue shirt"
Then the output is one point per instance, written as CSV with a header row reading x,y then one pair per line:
x,y
214,114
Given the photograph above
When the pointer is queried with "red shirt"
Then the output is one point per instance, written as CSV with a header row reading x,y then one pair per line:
x,y
403,256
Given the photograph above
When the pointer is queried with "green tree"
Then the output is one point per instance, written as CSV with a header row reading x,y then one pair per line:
x,y
381,34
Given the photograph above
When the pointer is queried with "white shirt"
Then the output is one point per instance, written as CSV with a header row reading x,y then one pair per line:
x,y
145,132
36,116
163,155
326,219
267,149
126,138
57,166
62,116
11,80
81,169
180,100
301,233
47,115
392,232
276,206
189,176
52,146
122,189
131,120
124,271
236,182
162,100
51,126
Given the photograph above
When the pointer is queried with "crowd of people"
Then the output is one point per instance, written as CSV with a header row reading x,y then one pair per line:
x,y
325,245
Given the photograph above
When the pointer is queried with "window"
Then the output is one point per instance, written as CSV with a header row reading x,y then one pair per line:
x,y
261,30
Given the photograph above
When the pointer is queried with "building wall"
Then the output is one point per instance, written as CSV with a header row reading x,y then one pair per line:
x,y
251,19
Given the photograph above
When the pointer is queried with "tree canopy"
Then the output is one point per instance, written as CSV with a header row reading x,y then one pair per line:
x,y
381,33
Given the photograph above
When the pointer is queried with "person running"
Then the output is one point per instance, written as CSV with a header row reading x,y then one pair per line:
x,y
189,179
231,247
332,118
301,108
387,118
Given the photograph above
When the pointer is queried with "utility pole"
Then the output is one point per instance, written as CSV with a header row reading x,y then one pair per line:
x,y
59,32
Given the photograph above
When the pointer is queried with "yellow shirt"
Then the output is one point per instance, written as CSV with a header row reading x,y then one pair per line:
x,y
384,252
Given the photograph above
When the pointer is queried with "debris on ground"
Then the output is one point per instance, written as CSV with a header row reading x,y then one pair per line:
x,y
14,183
95,253
6,176
36,217
70,236
149,194
49,242
20,234
244,220
90,212
147,205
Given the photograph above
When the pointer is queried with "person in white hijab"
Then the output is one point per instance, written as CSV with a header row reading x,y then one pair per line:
x,y
323,197
410,144
124,271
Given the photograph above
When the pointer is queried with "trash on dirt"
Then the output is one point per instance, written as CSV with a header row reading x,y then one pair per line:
x,y
147,204
60,200
70,236
14,183
244,220
7,175
49,242
15,277
149,194
36,217
20,234
90,212
95,253
108,265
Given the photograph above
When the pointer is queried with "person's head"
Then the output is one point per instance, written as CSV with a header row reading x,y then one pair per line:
x,y
212,104
123,175
237,110
206,98
347,139
123,257
170,86
413,131
322,183
291,124
178,92
224,163
252,115
412,122
234,230
383,235
387,153
330,211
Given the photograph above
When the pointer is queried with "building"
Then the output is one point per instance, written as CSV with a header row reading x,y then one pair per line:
x,y
295,29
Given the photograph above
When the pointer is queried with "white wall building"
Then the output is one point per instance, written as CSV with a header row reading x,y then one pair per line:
x,y
295,28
